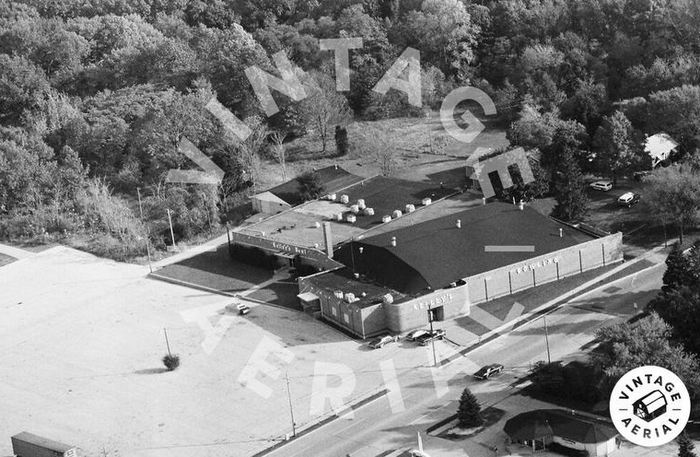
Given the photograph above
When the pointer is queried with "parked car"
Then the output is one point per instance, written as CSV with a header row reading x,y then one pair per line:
x,y
429,337
604,186
414,335
640,175
380,341
628,199
488,371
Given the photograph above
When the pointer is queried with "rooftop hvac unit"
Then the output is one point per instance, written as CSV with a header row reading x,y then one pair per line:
x,y
396,214
393,241
332,197
351,218
344,199
426,201
338,294
339,217
361,203
317,224
388,299
355,209
350,297
386,219
410,208
369,211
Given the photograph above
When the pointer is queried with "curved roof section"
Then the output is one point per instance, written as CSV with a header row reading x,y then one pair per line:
x,y
435,253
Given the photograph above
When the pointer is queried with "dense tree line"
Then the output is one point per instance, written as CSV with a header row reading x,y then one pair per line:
x,y
95,96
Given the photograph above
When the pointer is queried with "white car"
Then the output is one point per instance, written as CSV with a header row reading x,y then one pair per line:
x,y
628,199
605,186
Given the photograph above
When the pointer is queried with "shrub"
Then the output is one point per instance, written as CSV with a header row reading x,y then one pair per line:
x,y
171,361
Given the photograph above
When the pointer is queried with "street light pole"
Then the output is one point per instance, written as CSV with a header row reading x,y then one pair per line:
x,y
546,339
291,409
148,231
432,342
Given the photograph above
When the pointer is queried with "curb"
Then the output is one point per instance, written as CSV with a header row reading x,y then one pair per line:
x,y
180,282
352,407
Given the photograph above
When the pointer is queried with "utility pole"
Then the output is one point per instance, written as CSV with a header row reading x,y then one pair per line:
x,y
172,233
167,343
432,342
546,339
148,231
291,409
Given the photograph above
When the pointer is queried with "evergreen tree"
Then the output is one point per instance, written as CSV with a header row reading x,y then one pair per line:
x,y
681,269
685,446
569,190
341,140
469,412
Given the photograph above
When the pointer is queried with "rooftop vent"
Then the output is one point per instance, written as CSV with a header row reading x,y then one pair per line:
x,y
355,209
369,211
388,299
459,223
344,199
426,201
351,218
393,241
361,203
386,219
396,214
410,208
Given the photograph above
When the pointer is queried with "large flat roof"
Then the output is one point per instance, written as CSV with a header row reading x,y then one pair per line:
x,y
435,253
344,281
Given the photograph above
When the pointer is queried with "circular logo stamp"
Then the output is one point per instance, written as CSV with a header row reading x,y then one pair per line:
x,y
650,406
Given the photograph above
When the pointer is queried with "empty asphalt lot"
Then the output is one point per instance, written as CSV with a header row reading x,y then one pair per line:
x,y
81,340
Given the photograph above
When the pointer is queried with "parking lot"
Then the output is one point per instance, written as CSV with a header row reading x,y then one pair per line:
x,y
82,339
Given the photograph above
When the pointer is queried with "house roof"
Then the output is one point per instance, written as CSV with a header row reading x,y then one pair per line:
x,y
660,145
542,422
332,179
435,253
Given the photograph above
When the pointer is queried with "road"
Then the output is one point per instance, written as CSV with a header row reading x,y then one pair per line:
x,y
428,395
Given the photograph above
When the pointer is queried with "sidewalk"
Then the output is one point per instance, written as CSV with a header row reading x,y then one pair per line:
x,y
16,253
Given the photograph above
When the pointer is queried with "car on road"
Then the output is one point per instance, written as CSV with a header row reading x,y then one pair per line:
x,y
429,337
380,341
628,199
488,371
604,186
414,335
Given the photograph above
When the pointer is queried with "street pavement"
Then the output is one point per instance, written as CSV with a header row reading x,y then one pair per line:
x,y
425,395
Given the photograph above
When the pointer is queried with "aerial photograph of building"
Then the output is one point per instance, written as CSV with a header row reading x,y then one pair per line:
x,y
358,228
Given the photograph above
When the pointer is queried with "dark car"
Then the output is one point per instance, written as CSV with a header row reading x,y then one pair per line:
x,y
414,335
488,371
380,341
429,337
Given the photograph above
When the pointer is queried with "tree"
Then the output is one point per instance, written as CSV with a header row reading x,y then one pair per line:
x,y
469,411
310,186
685,446
324,107
341,140
682,269
280,151
680,309
674,195
569,191
375,144
626,346
614,145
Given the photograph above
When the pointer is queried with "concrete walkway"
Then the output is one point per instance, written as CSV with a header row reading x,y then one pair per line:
x,y
16,253
191,252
